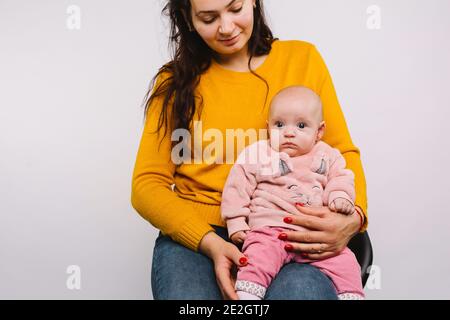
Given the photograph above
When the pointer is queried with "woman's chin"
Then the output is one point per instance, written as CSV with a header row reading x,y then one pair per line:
x,y
229,50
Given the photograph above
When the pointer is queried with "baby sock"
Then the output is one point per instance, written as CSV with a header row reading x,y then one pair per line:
x,y
350,296
247,296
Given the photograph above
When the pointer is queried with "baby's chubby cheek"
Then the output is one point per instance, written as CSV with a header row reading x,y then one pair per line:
x,y
275,139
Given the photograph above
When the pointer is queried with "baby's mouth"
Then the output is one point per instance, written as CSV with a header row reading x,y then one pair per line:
x,y
288,145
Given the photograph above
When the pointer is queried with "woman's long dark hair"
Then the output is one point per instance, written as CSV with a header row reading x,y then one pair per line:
x,y
191,58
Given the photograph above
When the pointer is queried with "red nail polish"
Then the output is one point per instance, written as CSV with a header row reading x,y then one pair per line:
x,y
301,204
282,236
288,247
287,219
243,261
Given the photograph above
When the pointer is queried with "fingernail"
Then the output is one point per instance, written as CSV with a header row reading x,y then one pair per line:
x,y
287,219
301,204
282,236
243,261
288,247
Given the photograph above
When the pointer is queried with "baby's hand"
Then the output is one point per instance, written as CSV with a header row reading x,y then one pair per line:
x,y
239,237
342,205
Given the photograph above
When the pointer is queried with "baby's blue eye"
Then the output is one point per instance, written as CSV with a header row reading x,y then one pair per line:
x,y
301,125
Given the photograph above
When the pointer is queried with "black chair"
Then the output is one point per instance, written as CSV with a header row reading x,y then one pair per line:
x,y
362,248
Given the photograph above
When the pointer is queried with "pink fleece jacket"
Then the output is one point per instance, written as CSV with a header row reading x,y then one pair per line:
x,y
264,185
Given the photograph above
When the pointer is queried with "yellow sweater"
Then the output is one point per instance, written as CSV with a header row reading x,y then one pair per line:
x,y
231,100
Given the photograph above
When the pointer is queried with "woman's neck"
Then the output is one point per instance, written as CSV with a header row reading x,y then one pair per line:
x,y
237,61
242,65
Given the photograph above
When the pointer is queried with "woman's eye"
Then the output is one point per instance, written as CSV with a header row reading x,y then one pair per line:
x,y
208,21
301,125
237,10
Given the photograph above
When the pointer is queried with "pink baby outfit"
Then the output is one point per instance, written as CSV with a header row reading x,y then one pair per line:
x,y
262,188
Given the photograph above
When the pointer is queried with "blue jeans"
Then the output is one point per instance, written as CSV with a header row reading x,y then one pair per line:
x,y
179,273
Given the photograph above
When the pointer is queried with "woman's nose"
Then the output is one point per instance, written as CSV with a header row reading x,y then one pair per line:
x,y
226,26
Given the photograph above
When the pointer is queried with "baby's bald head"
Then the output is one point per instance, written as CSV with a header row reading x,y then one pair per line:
x,y
298,100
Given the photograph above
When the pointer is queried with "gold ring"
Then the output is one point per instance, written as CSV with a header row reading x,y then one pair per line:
x,y
320,250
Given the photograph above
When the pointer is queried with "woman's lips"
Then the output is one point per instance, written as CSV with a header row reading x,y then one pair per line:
x,y
231,41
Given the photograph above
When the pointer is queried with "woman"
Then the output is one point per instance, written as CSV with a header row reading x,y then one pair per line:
x,y
225,69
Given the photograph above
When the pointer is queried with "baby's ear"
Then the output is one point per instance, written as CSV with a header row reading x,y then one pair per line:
x,y
320,131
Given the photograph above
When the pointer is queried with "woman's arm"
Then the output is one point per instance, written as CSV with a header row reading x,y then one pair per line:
x,y
337,134
153,198
152,195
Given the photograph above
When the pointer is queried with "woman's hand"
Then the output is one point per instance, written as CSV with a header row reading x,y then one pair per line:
x,y
328,232
225,256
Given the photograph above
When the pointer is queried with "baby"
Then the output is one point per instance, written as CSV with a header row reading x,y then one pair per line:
x,y
270,177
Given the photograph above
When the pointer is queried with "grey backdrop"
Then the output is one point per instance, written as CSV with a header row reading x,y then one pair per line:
x,y
70,124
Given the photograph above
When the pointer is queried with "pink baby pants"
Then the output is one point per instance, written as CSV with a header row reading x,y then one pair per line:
x,y
266,256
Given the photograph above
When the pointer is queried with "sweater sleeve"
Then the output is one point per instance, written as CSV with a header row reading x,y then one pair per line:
x,y
152,195
236,197
336,133
340,180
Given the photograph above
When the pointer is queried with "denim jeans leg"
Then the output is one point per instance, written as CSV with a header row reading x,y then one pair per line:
x,y
297,281
178,273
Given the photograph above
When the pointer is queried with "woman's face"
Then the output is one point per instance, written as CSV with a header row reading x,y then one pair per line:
x,y
225,25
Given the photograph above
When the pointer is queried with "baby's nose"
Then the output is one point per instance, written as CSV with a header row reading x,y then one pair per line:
x,y
289,133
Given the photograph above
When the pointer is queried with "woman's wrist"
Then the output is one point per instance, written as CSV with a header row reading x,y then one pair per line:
x,y
354,224
362,217
209,243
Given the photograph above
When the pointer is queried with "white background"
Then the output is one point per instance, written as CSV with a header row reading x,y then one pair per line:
x,y
71,120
